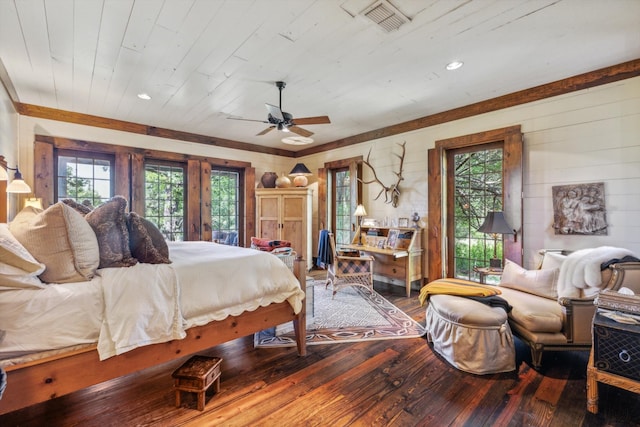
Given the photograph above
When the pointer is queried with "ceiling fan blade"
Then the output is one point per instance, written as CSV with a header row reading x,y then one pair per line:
x,y
319,120
267,130
247,120
275,112
300,131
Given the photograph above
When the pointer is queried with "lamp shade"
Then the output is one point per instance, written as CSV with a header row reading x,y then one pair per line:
x,y
495,223
360,211
300,169
18,185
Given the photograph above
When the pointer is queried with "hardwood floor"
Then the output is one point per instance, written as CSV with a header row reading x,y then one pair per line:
x,y
394,382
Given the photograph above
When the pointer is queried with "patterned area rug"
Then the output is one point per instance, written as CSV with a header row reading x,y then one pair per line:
x,y
354,314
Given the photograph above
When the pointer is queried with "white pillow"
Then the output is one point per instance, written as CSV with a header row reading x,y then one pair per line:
x,y
14,254
537,282
18,268
552,260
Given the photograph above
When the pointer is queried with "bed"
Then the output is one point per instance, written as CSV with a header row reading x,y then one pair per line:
x,y
62,337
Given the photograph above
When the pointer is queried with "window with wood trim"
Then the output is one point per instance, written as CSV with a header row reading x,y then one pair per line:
x,y
164,186
83,176
441,237
339,192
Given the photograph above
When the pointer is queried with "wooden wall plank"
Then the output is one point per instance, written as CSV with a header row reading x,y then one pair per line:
x,y
205,205
44,172
193,200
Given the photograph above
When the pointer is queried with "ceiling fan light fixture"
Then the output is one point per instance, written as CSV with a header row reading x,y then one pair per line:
x,y
297,140
283,127
454,65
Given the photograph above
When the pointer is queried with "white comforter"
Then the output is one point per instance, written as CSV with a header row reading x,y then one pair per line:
x,y
125,308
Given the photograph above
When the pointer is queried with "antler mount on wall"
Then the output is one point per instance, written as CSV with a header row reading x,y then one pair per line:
x,y
391,192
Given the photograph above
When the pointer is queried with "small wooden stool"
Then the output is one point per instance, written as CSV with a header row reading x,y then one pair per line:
x,y
195,376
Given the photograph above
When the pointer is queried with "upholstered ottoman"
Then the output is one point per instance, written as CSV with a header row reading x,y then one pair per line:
x,y
470,335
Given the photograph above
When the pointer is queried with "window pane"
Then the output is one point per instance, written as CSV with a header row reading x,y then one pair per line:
x,y
342,199
478,190
225,199
165,199
84,177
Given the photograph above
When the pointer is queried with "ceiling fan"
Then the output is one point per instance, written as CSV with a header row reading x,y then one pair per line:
x,y
284,121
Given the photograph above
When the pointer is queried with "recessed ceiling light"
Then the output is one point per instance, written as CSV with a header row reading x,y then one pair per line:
x,y
297,140
144,96
454,65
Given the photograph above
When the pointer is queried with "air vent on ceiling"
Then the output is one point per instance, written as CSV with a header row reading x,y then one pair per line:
x,y
386,16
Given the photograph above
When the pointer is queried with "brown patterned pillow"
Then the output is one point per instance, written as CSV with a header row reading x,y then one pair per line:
x,y
109,222
146,241
79,207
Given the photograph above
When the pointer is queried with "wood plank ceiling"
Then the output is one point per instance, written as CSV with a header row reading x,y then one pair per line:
x,y
205,61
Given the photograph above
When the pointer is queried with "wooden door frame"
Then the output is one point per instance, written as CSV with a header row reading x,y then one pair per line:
x,y
512,140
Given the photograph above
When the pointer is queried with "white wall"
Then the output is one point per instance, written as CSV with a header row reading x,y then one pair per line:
x,y
8,139
587,136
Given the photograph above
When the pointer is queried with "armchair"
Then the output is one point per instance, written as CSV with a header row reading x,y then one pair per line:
x,y
348,269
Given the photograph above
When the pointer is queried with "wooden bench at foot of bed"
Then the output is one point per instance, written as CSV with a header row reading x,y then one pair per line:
x,y
45,379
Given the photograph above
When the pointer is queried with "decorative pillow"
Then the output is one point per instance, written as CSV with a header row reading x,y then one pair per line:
x,y
146,241
268,245
552,260
537,282
15,278
80,207
109,222
14,254
59,238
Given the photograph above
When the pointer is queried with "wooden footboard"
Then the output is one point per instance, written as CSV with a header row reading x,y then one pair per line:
x,y
46,379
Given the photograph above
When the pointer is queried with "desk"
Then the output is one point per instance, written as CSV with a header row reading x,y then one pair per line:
x,y
395,266
486,271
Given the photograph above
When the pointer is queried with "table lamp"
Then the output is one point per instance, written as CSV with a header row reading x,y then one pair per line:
x,y
495,224
300,173
359,213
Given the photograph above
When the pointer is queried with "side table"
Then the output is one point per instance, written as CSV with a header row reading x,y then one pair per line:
x,y
594,376
487,271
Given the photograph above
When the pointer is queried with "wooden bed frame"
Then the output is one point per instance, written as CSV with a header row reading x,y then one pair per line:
x,y
51,377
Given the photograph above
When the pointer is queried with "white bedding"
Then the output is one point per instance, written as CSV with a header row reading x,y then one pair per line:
x,y
124,308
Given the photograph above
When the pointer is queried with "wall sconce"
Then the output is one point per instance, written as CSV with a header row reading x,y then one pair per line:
x,y
359,213
495,224
35,202
17,185
300,172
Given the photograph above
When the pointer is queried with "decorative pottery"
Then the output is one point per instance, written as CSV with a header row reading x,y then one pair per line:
x,y
268,180
283,181
300,181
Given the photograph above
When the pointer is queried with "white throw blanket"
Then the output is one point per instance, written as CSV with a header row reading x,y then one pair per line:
x,y
141,308
580,274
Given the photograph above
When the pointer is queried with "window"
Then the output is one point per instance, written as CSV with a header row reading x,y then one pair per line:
x,y
225,205
84,176
443,206
477,189
343,202
165,198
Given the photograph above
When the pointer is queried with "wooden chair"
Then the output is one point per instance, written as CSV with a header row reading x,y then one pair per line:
x,y
348,270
